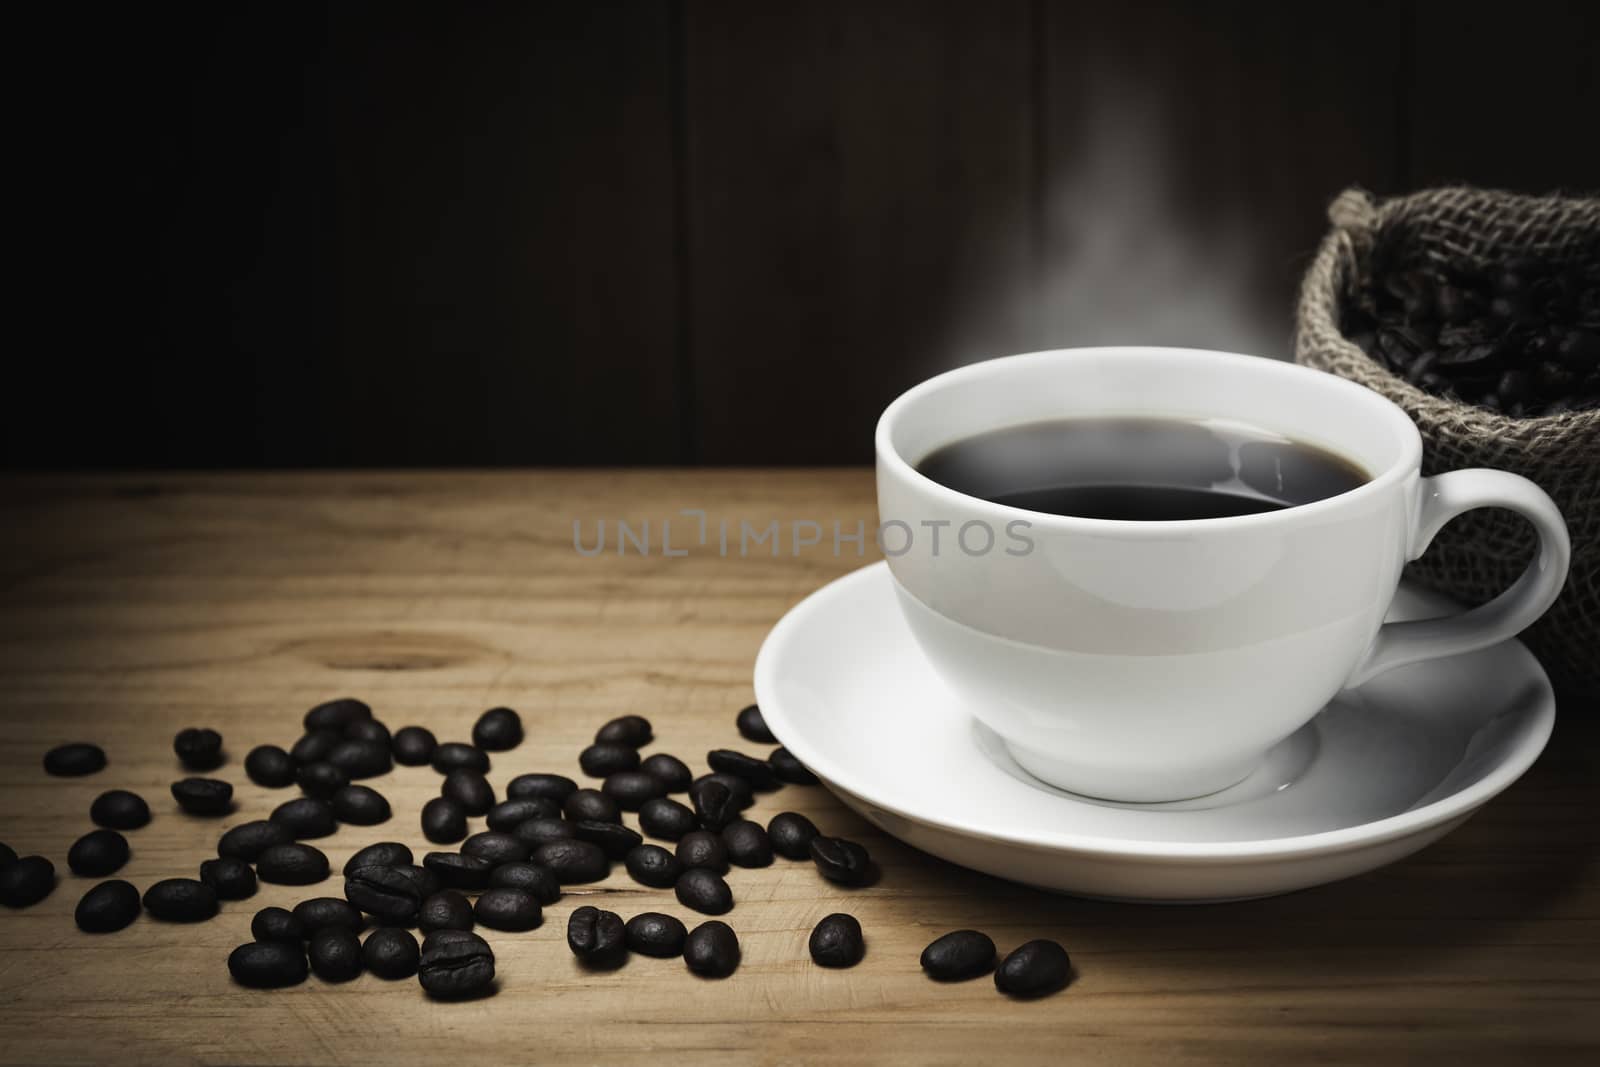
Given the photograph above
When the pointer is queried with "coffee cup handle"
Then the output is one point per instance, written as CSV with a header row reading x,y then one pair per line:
x,y
1442,498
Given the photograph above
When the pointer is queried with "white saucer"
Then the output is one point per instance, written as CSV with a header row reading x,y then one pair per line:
x,y
1381,772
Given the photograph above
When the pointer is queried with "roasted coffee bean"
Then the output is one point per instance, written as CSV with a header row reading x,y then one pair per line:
x,y
390,952
198,749
653,866
497,730
538,831
277,924
613,838
445,910
841,861
107,907
380,854
269,767
26,881
74,760
733,783
552,787
714,804
203,796
362,759
360,805
469,789
507,815
508,909
958,956
1579,350
306,817
836,941
181,900
753,727
599,761
702,848
788,769
496,847
337,714
455,756
573,862
757,772
631,789
712,950
321,913
1515,386
8,856
529,877
591,804
268,964
320,780
748,844
1033,970
98,853
444,822
315,746
413,746
631,730
249,840
335,955
293,864
791,834
456,964
653,933
704,891
387,893
672,772
598,938
456,871
231,879
369,730
118,809
666,818
426,881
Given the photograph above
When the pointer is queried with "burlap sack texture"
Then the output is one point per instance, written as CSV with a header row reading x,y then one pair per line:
x,y
1481,553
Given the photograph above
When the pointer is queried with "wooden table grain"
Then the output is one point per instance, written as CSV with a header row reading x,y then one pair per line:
x,y
135,605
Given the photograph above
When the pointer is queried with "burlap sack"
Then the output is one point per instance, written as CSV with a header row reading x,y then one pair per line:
x,y
1482,552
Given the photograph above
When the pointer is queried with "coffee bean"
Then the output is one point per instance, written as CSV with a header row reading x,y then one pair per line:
x,y
8,856
791,834
748,844
653,866
26,881
1579,350
181,900
538,831
507,909
631,789
836,941
631,730
757,772
74,760
469,789
497,730
666,819
456,964
599,761
118,809
958,956
413,746
306,817
362,759
529,877
322,913
426,881
573,862
445,910
98,853
841,861
107,907
597,938
704,849
335,955
276,924
268,964
231,879
591,804
320,780
714,804
712,950
360,805
456,871
248,840
444,821
389,894
552,787
1033,970
293,864
742,793
337,714
203,796
368,730
455,756
198,749
672,772
788,769
315,746
507,815
390,952
613,838
704,891
496,847
380,854
653,933
269,767
753,727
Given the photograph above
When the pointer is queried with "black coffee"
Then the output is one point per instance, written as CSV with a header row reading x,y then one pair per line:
x,y
1147,469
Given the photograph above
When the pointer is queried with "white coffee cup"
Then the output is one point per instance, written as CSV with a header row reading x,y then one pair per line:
x,y
1149,661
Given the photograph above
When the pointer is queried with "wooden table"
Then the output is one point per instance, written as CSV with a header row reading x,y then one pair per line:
x,y
134,606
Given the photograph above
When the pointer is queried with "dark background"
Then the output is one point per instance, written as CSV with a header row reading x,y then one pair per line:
x,y
299,234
